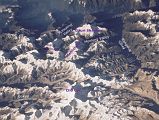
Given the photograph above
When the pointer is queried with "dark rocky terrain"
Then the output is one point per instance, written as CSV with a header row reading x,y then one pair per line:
x,y
79,59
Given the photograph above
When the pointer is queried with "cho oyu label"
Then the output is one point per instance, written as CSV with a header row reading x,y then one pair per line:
x,y
73,90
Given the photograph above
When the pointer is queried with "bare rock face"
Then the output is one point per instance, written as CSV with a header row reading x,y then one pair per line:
x,y
57,71
140,34
149,88
118,5
6,17
8,41
113,64
40,9
44,71
142,114
79,60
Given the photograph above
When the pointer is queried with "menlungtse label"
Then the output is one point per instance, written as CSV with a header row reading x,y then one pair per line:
x,y
98,38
